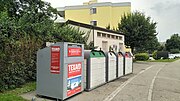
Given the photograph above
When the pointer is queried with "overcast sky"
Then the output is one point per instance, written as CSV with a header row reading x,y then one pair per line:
x,y
165,12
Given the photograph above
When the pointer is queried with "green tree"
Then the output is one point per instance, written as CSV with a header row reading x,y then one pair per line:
x,y
173,42
139,30
25,26
150,46
108,27
161,48
17,8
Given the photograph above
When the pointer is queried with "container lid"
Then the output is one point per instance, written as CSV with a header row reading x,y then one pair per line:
x,y
128,54
111,53
95,54
120,54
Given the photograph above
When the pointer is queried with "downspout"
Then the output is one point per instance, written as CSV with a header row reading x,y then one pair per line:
x,y
93,36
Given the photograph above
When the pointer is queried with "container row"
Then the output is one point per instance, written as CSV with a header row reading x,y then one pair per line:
x,y
102,67
65,69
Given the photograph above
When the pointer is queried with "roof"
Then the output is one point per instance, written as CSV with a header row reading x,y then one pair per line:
x,y
92,27
100,4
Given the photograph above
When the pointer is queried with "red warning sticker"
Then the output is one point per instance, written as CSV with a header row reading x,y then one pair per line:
x,y
74,52
55,59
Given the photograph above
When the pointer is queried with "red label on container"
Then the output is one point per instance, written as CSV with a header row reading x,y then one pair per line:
x,y
74,91
74,69
74,78
55,59
74,52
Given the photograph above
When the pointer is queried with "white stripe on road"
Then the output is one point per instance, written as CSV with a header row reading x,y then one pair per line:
x,y
152,85
114,93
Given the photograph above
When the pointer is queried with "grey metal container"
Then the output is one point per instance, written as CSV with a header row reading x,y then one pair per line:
x,y
95,69
111,66
128,63
60,70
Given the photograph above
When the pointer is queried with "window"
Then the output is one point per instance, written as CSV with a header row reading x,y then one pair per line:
x,y
120,38
112,36
99,34
117,37
103,35
94,23
108,36
93,10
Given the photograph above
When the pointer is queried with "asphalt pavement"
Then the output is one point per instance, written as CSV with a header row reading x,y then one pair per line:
x,y
150,81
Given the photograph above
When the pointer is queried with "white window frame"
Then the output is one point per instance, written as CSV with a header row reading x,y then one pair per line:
x,y
93,22
93,10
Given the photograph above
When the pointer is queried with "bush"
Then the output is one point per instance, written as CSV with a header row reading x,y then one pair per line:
x,y
141,56
154,55
174,51
20,40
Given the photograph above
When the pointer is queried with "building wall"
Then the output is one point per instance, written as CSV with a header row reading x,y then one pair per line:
x,y
117,13
106,15
103,16
98,40
78,15
116,44
87,31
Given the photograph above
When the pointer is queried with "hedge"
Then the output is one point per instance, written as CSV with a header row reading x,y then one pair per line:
x,y
141,56
21,39
154,55
160,54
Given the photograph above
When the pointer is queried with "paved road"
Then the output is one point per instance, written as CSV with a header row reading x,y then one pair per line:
x,y
160,82
149,82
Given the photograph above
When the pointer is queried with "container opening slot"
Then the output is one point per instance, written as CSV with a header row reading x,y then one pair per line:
x,y
93,53
111,54
74,45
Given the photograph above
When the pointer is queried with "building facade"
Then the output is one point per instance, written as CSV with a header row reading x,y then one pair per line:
x,y
102,38
99,14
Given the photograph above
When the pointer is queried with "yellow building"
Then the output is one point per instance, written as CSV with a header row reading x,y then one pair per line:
x,y
100,14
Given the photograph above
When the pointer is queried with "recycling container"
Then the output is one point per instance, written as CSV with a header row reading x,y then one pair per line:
x,y
128,68
111,66
95,71
60,70
120,63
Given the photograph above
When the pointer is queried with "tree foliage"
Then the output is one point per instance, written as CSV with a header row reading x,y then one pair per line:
x,y
173,42
17,8
150,46
174,51
25,26
140,31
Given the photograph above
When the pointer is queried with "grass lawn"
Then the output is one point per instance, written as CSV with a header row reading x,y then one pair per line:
x,y
164,60
14,95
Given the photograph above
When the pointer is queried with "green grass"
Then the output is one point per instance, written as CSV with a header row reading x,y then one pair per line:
x,y
11,97
14,95
164,60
